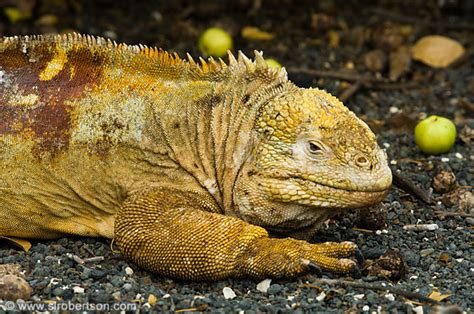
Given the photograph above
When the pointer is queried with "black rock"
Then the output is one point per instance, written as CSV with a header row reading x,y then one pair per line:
x,y
274,289
412,258
97,274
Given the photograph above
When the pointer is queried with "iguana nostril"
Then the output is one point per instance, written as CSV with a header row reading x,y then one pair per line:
x,y
362,161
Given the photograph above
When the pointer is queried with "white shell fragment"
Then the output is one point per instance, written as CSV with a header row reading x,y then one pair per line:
x,y
321,296
390,297
129,271
263,285
228,293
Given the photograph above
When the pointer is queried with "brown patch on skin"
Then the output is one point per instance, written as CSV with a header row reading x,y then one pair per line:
x,y
50,119
100,148
11,117
103,145
215,100
52,127
208,100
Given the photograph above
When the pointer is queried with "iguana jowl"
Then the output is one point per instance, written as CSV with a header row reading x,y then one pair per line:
x,y
187,166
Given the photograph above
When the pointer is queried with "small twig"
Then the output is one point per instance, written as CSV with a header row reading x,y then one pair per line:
x,y
421,227
396,17
453,214
75,258
363,230
308,285
417,162
338,75
361,81
93,259
354,88
349,92
191,309
200,308
87,248
112,247
371,286
395,86
416,20
408,186
82,261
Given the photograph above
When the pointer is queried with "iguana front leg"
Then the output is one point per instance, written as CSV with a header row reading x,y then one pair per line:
x,y
174,234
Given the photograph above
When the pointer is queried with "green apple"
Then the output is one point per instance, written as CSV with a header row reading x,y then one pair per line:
x,y
215,42
435,135
272,63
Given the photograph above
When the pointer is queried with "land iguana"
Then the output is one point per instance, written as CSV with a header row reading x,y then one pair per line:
x,y
188,166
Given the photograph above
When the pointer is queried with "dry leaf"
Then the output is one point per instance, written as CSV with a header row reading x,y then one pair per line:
x,y
387,37
334,39
255,33
461,198
435,295
47,20
390,265
21,243
437,51
375,60
466,135
400,61
444,258
413,302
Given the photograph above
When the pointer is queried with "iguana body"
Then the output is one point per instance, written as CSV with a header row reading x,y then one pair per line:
x,y
182,164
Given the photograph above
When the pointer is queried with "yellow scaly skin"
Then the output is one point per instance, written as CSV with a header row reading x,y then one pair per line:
x,y
186,166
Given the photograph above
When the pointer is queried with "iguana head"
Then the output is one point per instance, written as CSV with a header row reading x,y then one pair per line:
x,y
314,154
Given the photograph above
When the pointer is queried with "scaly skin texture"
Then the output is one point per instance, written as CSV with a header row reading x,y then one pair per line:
x,y
187,167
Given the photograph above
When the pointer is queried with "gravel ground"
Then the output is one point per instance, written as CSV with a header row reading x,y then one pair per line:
x,y
441,259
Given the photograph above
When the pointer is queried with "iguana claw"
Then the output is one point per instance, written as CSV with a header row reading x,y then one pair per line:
x,y
314,269
359,257
356,273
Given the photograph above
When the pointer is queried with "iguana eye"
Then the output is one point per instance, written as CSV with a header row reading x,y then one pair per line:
x,y
314,148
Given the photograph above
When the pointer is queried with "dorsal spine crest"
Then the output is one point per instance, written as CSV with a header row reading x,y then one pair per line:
x,y
243,65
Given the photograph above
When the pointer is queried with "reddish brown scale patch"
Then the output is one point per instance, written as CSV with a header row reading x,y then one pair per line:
x,y
50,118
13,58
51,125
7,116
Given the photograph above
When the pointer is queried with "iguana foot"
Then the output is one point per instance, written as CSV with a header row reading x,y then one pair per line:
x,y
268,257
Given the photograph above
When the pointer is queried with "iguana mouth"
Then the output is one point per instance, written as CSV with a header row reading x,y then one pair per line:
x,y
341,196
343,185
343,188
308,192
